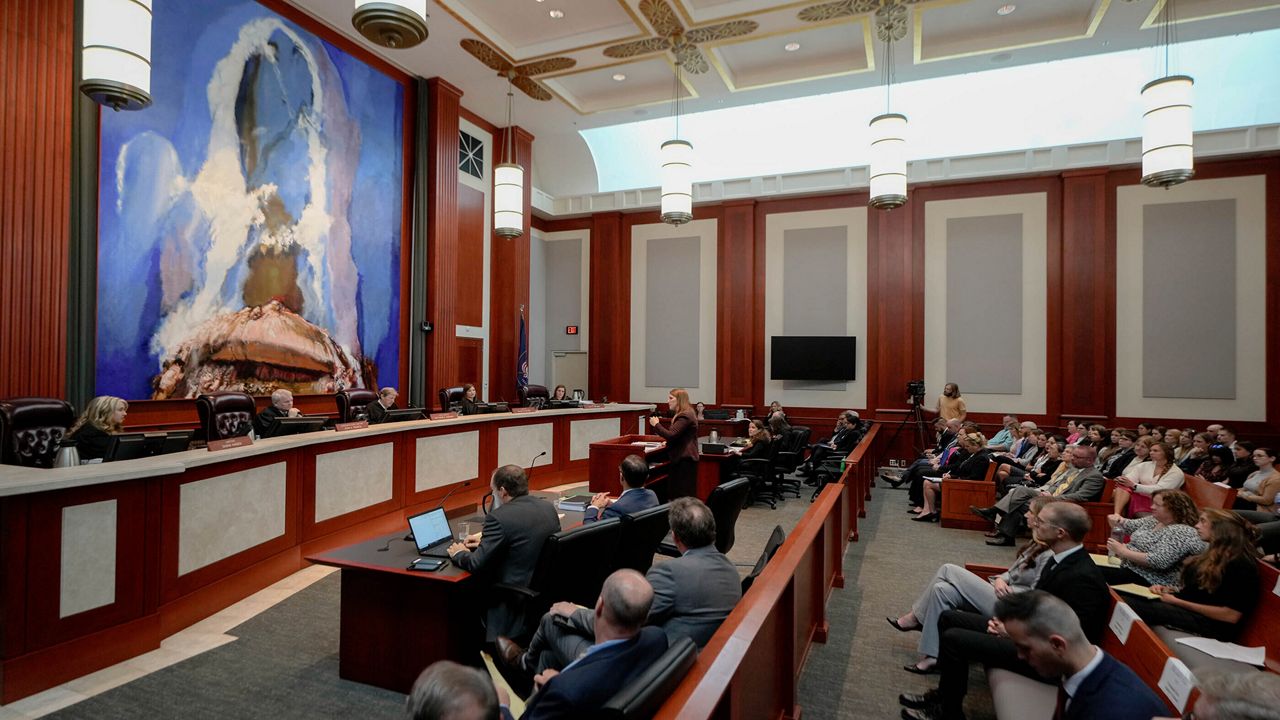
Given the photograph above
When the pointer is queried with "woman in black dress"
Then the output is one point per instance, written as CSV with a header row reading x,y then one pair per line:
x,y
92,431
470,406
682,445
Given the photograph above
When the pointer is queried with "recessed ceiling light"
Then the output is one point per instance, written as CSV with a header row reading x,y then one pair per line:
x,y
619,77
1006,9
791,46
556,14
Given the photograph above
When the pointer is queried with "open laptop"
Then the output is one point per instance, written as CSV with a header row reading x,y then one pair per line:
x,y
431,533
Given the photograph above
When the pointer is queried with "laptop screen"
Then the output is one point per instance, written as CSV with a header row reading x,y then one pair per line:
x,y
429,528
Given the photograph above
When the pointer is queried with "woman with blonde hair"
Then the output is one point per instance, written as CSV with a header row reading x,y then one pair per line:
x,y
682,444
973,467
1157,544
92,431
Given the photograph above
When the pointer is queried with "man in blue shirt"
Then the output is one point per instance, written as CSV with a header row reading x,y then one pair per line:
x,y
635,497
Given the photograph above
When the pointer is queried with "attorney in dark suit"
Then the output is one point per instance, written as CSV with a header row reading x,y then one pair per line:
x,y
635,496
509,544
1091,683
967,638
623,649
1080,483
682,444
376,411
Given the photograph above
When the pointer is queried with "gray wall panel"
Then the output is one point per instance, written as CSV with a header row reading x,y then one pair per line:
x,y
1189,300
563,295
815,291
984,304
672,280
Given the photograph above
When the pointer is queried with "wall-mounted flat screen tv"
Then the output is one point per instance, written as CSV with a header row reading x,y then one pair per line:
x,y
829,358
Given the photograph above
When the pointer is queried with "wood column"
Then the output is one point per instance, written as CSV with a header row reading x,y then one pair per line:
x,y
609,374
740,304
37,50
1086,320
442,236
509,280
895,300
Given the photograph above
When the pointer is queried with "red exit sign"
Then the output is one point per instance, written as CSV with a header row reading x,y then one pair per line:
x,y
570,329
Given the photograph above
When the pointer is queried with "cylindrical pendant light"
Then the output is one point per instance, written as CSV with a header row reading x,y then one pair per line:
x,y
888,161
116,54
677,181
508,200
1166,131
391,23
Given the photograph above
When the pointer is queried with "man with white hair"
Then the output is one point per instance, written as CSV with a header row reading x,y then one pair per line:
x,y
281,407
376,411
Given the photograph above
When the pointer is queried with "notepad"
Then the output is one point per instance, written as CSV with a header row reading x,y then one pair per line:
x,y
1104,560
1135,589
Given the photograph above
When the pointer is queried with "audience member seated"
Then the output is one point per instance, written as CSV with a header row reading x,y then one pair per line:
x,y
1258,492
693,594
376,411
623,649
973,467
1080,482
1217,590
955,588
470,403
1075,431
947,432
92,431
839,445
1003,440
633,472
1045,465
1235,696
1025,446
778,425
1226,437
1242,465
1173,438
509,544
1141,453
1136,488
951,404
449,691
1115,463
948,461
1091,683
1069,573
1215,466
281,407
1157,544
1012,467
1196,455
1186,438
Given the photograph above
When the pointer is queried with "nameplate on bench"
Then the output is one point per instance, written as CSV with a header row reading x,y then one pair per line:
x,y
443,415
592,406
357,425
235,442
522,410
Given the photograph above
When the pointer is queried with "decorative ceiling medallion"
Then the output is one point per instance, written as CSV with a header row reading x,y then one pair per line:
x,y
674,37
845,8
520,75
891,23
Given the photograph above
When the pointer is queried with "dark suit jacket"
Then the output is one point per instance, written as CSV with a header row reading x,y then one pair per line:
x,y
92,442
1115,692
580,691
1078,582
973,467
631,501
694,593
375,413
1116,464
945,439
511,542
681,437
263,421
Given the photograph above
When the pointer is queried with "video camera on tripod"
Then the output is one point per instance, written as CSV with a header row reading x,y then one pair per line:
x,y
915,389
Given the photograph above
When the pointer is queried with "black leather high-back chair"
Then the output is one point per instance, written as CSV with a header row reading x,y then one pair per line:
x,y
31,428
641,698
449,396
725,503
641,533
776,538
352,403
225,414
533,392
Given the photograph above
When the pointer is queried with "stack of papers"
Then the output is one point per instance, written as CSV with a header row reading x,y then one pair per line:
x,y
577,503
1227,651
1135,589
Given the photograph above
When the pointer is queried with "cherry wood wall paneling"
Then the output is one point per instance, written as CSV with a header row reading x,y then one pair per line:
x,y
1085,323
609,345
36,92
509,284
470,361
895,305
739,291
442,236
469,300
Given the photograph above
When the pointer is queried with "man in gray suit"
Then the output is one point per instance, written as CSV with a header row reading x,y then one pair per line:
x,y
510,543
1081,482
692,595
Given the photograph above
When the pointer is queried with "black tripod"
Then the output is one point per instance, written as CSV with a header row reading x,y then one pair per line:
x,y
916,416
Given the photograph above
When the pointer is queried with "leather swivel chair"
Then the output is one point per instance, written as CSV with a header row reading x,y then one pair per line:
x,y
641,533
647,691
532,392
450,396
725,504
31,428
225,414
776,538
352,403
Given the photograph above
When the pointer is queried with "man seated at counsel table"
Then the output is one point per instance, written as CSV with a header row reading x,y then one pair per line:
x,y
1091,683
635,497
847,434
376,411
693,594
281,407
972,638
623,649
1080,482
509,544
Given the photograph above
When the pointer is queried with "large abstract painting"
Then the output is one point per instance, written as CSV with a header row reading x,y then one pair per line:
x,y
250,219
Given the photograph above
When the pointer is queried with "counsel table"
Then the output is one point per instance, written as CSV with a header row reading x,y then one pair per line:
x,y
607,455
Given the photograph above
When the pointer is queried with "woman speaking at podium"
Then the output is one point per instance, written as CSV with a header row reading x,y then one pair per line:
x,y
682,445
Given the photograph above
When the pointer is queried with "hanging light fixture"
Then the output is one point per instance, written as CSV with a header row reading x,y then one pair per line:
x,y
677,168
508,184
888,131
1167,157
116,53
393,24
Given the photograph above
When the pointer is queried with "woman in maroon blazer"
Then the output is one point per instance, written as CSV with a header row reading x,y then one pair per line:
x,y
682,445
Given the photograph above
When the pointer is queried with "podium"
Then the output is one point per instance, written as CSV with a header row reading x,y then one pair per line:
x,y
607,455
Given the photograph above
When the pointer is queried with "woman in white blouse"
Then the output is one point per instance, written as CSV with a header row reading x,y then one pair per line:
x,y
1135,488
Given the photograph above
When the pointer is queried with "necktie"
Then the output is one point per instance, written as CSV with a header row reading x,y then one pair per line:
x,y
1067,479
1049,565
1060,710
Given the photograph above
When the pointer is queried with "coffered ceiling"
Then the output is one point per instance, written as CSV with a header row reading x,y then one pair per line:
x,y
615,61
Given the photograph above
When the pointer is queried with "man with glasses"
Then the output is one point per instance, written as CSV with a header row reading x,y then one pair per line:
x,y
1081,482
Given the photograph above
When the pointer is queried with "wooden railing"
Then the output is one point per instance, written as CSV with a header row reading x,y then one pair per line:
x,y
860,475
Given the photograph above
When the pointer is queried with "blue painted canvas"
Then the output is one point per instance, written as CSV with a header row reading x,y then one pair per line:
x,y
249,226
